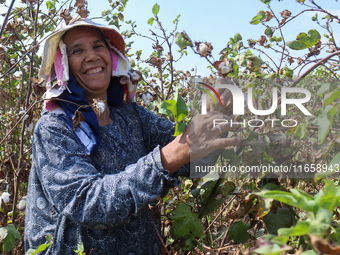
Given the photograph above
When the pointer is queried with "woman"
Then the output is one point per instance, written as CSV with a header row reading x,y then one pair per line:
x,y
93,183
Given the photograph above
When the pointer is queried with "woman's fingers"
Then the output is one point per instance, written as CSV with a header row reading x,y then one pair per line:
x,y
225,142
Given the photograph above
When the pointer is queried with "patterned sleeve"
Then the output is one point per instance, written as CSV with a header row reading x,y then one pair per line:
x,y
159,132
75,189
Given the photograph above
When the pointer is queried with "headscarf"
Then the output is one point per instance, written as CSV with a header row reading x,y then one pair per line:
x,y
60,84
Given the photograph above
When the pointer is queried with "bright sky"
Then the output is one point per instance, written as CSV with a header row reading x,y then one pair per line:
x,y
215,22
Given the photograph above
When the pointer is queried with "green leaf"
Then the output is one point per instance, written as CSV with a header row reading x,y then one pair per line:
x,y
258,18
185,221
168,107
301,228
315,17
335,162
304,41
80,249
181,107
325,198
269,31
155,9
324,88
301,130
238,232
325,121
266,1
273,249
42,247
237,37
177,107
275,39
331,98
151,20
121,16
255,62
296,198
50,5
8,236
222,195
183,40
180,127
283,218
176,20
288,72
243,60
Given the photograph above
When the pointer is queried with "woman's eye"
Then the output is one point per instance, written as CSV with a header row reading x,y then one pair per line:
x,y
76,51
98,46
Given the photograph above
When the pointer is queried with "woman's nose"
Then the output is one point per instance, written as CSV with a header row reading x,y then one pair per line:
x,y
91,55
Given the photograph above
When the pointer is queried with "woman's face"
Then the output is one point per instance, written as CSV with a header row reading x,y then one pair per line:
x,y
89,60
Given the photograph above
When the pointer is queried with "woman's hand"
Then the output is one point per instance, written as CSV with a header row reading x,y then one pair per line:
x,y
201,137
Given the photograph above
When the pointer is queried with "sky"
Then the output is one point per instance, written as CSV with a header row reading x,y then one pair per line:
x,y
215,22
211,21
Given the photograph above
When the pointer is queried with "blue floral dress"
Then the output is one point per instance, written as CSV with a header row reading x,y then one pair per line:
x,y
100,200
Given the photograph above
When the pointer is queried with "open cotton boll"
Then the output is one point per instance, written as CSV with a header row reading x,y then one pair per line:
x,y
5,197
147,98
98,106
225,69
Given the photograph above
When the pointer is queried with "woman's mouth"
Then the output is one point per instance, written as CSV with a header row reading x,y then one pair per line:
x,y
95,70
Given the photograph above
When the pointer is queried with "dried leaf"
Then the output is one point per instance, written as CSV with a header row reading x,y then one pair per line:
x,y
324,247
3,99
251,43
285,14
83,12
80,3
290,60
269,16
65,14
282,22
158,47
3,51
245,207
262,40
37,82
77,119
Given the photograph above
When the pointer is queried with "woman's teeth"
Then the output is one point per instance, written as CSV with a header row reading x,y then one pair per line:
x,y
97,70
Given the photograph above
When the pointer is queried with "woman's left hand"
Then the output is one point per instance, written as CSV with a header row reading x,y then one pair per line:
x,y
201,137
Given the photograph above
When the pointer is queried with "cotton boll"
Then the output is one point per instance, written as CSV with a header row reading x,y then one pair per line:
x,y
101,106
22,204
225,69
147,98
203,49
5,197
30,127
98,106
17,74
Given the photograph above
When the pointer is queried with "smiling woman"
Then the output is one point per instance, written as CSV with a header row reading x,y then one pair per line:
x,y
90,64
93,183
